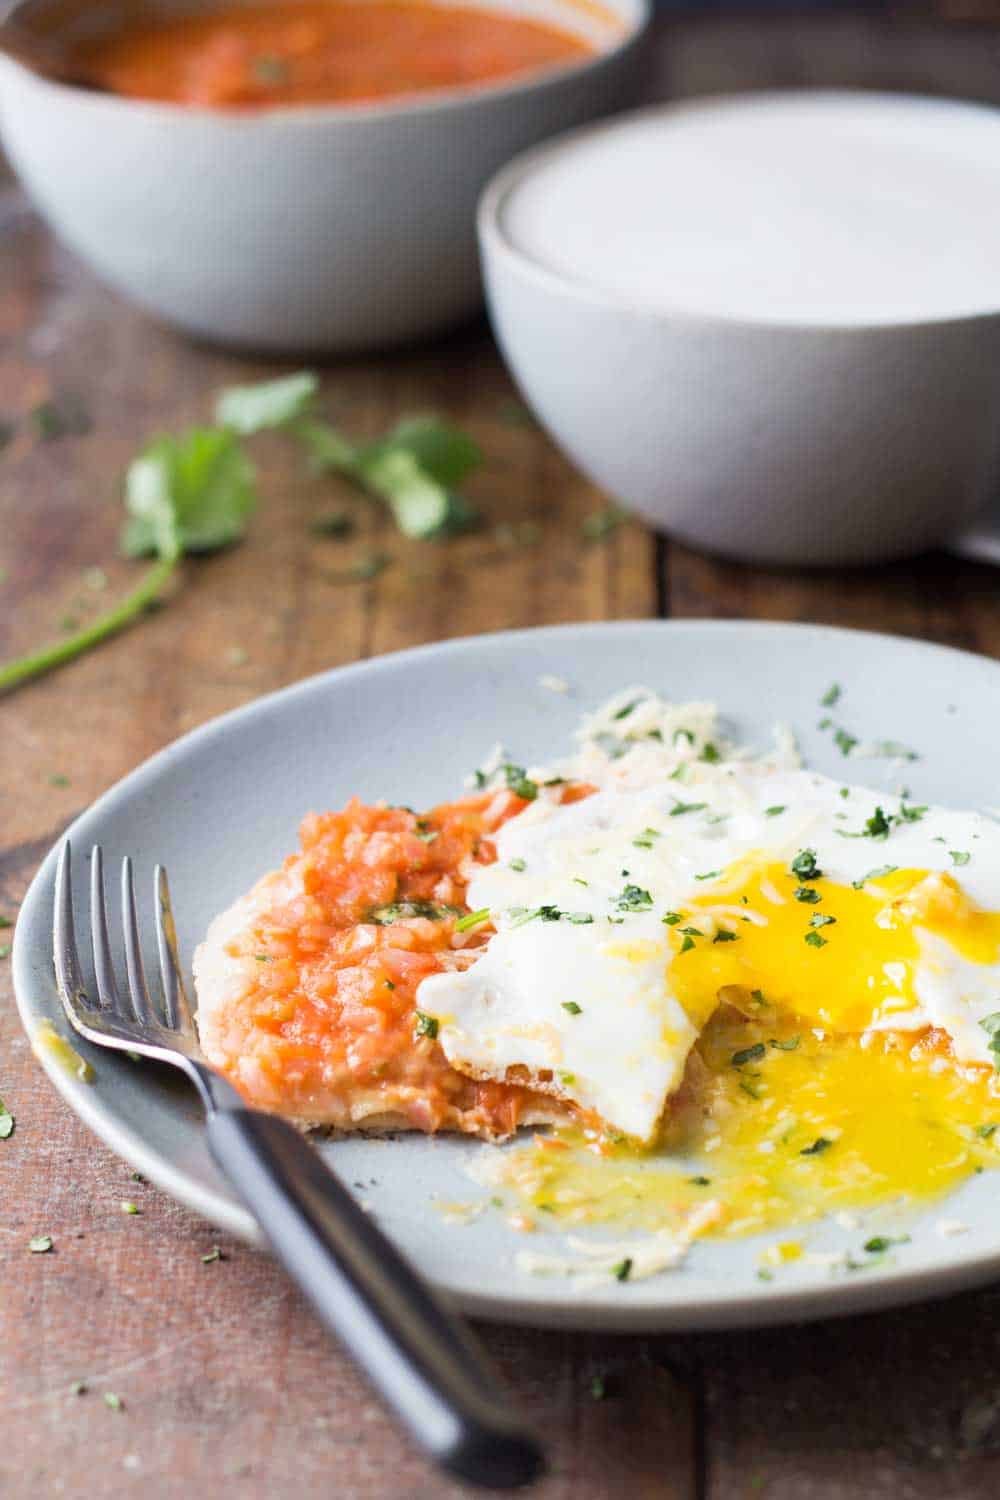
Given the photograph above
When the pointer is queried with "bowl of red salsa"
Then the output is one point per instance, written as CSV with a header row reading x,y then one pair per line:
x,y
300,175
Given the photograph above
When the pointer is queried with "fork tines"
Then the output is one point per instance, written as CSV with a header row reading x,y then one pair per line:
x,y
131,1006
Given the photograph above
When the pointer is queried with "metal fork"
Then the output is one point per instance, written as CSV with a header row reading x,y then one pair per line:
x,y
416,1353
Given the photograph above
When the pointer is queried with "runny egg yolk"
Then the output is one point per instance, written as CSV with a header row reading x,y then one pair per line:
x,y
788,1112
837,956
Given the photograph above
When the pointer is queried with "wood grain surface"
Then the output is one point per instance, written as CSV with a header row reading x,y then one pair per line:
x,y
226,1385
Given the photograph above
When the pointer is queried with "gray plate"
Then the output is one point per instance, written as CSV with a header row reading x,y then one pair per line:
x,y
222,805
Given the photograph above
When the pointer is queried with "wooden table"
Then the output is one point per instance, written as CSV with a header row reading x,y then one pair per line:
x,y
226,1383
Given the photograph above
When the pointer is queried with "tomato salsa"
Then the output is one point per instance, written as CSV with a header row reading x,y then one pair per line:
x,y
323,52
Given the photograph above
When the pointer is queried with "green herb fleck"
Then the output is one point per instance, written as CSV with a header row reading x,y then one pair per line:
x,y
473,919
520,783
700,1181
773,812
686,807
821,919
820,1144
709,875
815,941
518,865
808,894
748,1054
213,1255
623,1269
130,1208
40,1244
634,898
671,918
844,742
789,1044
687,944
572,1008
114,1401
877,874
724,936
985,1132
831,696
959,856
425,1025
804,865
600,524
880,1243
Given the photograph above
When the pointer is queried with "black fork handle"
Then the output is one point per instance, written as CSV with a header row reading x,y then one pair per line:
x,y
416,1353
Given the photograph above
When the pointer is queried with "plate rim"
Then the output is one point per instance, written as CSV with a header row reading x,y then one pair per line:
x,y
771,1304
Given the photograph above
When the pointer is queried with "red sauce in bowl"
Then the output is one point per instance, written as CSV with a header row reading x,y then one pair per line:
x,y
323,52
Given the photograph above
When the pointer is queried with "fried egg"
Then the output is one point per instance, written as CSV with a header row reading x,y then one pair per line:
x,y
623,919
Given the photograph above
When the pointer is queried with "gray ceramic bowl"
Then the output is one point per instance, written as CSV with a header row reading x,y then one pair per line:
x,y
327,229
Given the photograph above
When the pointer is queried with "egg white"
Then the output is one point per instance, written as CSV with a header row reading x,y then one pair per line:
x,y
587,1000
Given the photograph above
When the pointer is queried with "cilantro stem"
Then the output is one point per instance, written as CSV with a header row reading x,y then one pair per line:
x,y
37,663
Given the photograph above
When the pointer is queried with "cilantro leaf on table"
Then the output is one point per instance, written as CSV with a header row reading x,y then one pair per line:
x,y
192,493
248,409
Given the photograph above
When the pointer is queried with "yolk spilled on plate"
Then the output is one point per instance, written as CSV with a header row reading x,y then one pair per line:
x,y
780,1127
788,1112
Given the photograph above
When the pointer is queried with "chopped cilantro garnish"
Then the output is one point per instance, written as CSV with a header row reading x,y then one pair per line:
x,y
425,1025
808,894
774,812
844,742
687,944
578,918
815,941
568,1079
788,1044
130,1208
572,1007
876,874
757,996
748,1054
959,856
804,865
579,880
683,734
686,807
401,911
629,708
600,524
991,1025
820,1144
709,875
622,1270
634,898
831,696
710,753
749,1087
722,936
671,918
878,825
700,1181
473,919
520,783
893,750
821,919
880,1243
910,814
518,865
985,1132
